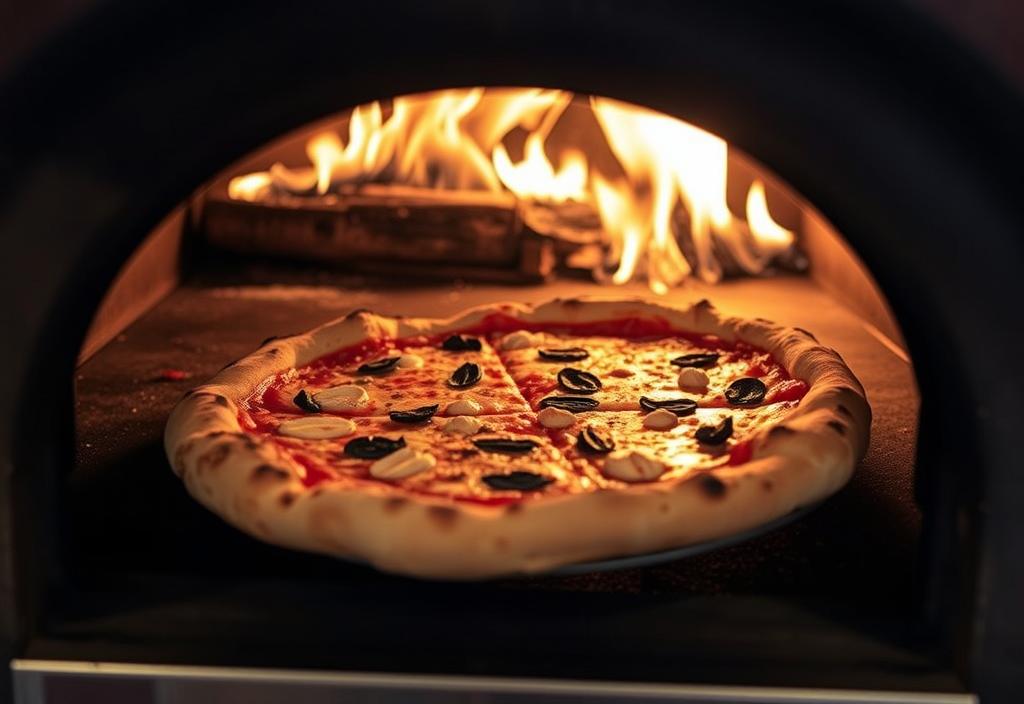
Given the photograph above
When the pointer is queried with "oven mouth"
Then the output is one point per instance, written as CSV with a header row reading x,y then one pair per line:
x,y
232,266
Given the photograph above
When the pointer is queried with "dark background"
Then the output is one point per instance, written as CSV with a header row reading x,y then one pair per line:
x,y
994,28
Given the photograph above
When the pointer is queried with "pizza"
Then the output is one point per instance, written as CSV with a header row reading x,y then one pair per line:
x,y
514,439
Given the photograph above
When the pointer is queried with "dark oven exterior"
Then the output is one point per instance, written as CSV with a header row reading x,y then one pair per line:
x,y
907,142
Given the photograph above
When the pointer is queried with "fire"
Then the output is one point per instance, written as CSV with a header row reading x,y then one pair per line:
x,y
663,209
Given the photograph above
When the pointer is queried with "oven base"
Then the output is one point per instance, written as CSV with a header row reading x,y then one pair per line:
x,y
826,602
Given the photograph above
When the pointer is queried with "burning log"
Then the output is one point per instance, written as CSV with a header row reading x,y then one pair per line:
x,y
472,234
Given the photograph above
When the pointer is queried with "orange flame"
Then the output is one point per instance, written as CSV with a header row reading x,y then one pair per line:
x,y
455,139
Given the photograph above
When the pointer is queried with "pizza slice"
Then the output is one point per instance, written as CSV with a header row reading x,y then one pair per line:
x,y
628,447
414,377
614,374
487,459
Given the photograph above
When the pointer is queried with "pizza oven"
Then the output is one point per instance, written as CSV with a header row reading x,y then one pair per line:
x,y
184,182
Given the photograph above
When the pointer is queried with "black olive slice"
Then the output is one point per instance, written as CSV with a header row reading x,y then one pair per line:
x,y
746,392
517,481
715,434
508,446
578,381
564,354
458,343
379,366
465,376
595,441
373,447
573,404
414,415
697,359
306,402
680,406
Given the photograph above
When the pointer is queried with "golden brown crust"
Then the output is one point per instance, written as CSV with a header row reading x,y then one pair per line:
x,y
256,487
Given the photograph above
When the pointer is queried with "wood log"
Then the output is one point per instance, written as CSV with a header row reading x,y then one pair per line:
x,y
467,234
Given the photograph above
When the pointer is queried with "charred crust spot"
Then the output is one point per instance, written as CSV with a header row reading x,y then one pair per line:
x,y
664,508
572,302
514,508
443,516
287,498
843,410
395,503
767,484
763,320
214,457
805,332
189,393
703,303
780,431
277,337
222,401
712,486
230,364
837,426
268,472
356,313
316,492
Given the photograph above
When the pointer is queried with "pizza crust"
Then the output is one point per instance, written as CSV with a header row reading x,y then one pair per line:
x,y
255,486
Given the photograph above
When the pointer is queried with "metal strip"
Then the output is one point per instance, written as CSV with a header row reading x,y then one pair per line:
x,y
27,674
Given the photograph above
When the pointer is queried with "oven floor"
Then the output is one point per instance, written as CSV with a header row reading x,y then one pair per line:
x,y
158,578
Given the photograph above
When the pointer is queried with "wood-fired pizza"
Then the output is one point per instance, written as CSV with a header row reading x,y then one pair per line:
x,y
515,439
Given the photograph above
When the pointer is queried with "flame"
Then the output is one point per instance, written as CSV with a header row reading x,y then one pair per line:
x,y
663,212
771,237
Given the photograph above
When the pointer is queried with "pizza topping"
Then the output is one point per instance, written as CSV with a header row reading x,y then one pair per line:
x,y
552,417
661,419
379,366
410,361
563,354
462,425
465,376
317,427
414,415
459,343
373,447
402,463
517,481
680,406
715,434
578,381
518,340
595,441
506,446
347,397
633,466
746,392
692,378
697,359
305,401
464,407
573,404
